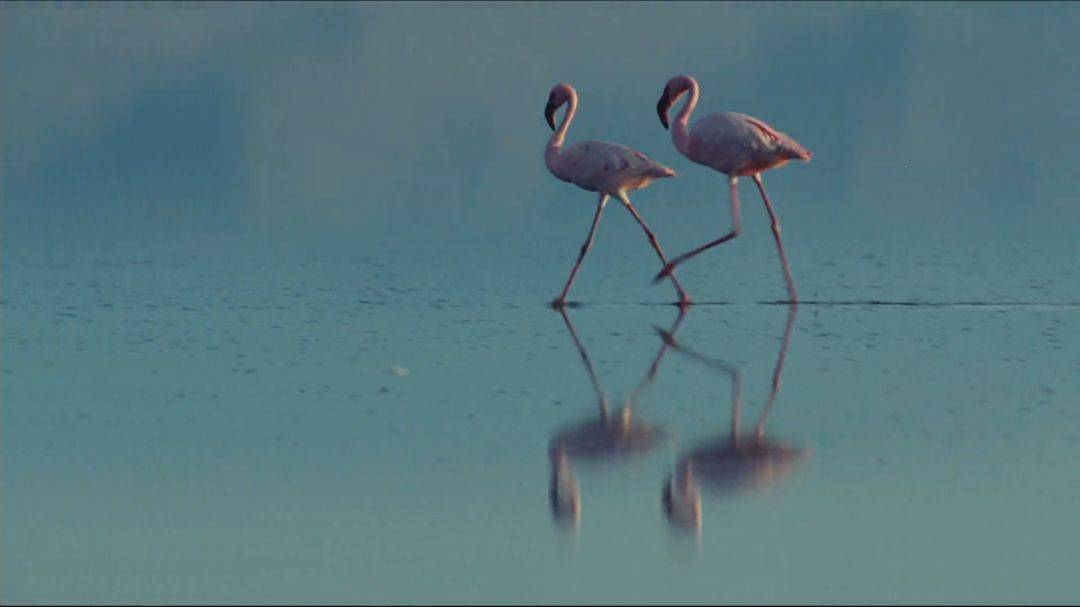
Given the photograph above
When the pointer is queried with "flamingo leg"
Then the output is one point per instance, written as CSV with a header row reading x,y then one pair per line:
x,y
669,339
736,228
794,297
777,372
684,299
733,372
561,301
601,398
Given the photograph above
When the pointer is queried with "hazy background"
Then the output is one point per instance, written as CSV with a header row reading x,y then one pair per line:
x,y
374,127
274,280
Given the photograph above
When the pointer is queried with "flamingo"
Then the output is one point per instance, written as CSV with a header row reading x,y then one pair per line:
x,y
607,437
733,144
610,169
736,462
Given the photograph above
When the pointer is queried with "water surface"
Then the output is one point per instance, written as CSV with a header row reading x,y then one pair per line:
x,y
274,326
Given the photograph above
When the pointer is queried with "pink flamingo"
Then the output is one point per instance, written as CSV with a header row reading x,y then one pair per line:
x,y
736,462
611,437
736,145
609,169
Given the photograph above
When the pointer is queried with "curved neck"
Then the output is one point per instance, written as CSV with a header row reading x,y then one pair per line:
x,y
560,135
680,130
691,102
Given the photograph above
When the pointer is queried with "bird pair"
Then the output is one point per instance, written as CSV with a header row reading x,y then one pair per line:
x,y
733,144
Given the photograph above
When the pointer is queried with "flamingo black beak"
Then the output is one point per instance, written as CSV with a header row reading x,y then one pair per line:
x,y
662,107
549,113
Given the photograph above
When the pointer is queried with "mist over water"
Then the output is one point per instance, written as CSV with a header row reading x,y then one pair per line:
x,y
274,327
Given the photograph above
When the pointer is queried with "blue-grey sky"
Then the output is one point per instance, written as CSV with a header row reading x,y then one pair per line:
x,y
422,124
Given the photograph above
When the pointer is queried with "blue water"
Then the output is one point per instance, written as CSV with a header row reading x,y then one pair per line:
x,y
274,323
205,430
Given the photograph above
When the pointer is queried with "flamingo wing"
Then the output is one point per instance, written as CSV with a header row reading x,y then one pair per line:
x,y
596,164
734,143
782,142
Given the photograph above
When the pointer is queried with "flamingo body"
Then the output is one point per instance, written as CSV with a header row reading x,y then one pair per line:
x,y
738,145
605,438
734,466
605,167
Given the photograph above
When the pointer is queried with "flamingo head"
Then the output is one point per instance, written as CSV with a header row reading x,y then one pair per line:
x,y
672,91
560,94
682,501
564,492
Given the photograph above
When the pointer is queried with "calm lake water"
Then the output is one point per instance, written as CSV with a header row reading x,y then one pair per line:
x,y
200,430
274,325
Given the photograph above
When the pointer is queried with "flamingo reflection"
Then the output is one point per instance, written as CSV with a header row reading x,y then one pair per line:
x,y
607,437
733,462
